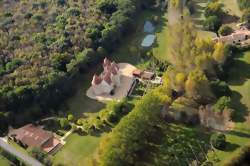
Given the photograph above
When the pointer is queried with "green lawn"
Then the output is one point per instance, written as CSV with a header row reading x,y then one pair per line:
x,y
239,82
232,7
160,49
4,161
78,150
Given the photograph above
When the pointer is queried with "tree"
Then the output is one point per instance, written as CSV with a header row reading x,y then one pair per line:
x,y
220,53
214,8
70,117
246,15
212,23
197,86
223,103
225,30
218,140
64,123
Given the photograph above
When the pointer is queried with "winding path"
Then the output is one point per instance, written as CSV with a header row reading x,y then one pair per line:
x,y
27,159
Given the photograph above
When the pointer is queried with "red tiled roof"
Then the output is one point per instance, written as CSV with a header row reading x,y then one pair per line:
x,y
31,135
50,145
106,62
96,80
107,78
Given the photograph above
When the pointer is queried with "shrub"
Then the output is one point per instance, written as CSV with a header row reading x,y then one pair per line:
x,y
64,123
218,140
60,133
225,30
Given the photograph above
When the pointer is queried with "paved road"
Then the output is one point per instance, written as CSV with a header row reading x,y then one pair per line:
x,y
29,160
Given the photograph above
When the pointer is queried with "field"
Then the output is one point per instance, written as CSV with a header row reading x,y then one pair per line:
x,y
78,150
160,49
232,7
4,162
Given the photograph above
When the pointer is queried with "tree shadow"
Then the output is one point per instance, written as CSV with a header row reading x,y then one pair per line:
x,y
241,110
231,147
162,23
239,134
239,73
228,18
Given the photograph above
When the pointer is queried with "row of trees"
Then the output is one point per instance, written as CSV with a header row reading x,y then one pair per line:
x,y
107,117
134,137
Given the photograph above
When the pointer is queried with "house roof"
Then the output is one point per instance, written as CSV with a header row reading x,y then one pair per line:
x,y
96,80
31,135
147,75
107,78
106,62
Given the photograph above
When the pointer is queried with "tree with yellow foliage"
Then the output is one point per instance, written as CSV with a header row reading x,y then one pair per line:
x,y
219,54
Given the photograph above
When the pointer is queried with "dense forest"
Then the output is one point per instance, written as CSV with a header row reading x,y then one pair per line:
x,y
44,43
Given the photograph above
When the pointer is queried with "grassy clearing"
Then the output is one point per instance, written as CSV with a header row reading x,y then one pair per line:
x,y
18,147
160,48
78,150
4,161
232,7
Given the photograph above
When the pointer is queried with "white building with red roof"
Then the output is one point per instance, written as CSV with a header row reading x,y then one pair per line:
x,y
108,80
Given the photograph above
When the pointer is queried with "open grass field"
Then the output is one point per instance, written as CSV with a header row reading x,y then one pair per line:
x,y
78,150
160,48
232,7
4,162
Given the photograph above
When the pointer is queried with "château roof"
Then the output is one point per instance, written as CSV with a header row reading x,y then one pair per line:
x,y
107,78
106,62
96,80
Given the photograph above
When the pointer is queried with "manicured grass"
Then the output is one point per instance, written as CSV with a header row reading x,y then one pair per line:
x,y
78,150
18,147
160,49
232,7
79,103
4,161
